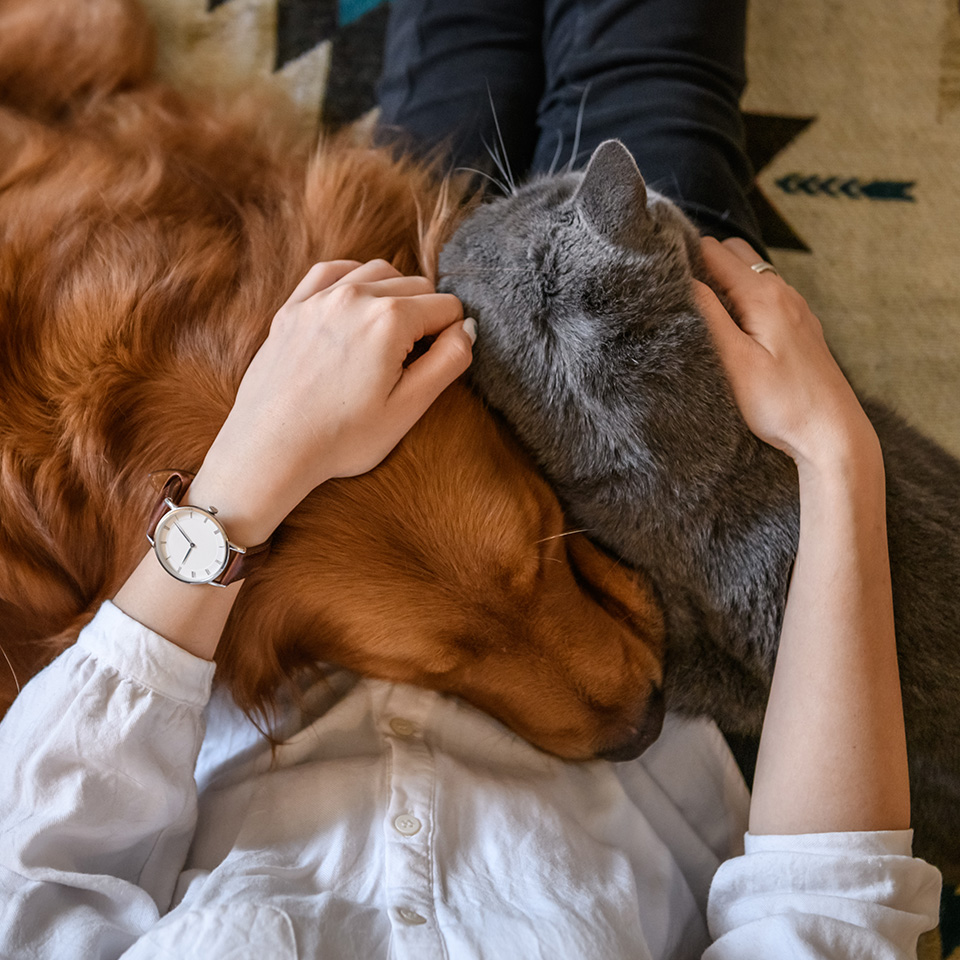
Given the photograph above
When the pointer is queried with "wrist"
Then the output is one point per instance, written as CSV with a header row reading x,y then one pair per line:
x,y
246,507
846,488
852,457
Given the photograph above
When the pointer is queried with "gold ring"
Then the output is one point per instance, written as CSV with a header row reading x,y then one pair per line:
x,y
764,267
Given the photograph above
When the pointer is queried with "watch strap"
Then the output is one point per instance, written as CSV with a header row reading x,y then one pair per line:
x,y
172,489
241,565
242,561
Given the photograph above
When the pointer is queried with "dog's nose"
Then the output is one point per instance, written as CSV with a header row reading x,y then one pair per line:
x,y
642,735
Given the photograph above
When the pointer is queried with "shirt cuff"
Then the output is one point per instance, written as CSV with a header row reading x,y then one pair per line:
x,y
858,843
138,654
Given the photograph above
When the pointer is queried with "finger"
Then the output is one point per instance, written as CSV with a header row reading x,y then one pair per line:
x,y
428,376
734,276
428,314
746,254
372,271
320,276
742,250
727,336
399,287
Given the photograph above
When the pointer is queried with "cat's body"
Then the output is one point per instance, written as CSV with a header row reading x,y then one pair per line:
x,y
591,346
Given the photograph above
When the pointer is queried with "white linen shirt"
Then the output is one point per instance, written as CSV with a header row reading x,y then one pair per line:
x,y
394,822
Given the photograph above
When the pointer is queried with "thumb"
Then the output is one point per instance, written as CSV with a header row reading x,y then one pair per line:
x,y
429,375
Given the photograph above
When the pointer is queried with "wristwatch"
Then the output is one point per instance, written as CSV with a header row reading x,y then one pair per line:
x,y
190,541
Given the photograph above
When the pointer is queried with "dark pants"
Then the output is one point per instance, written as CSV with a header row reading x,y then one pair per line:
x,y
663,76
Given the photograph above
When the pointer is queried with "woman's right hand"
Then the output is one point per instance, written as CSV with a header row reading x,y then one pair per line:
x,y
787,384
328,393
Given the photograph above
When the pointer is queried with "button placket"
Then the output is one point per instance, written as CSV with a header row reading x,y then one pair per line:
x,y
408,824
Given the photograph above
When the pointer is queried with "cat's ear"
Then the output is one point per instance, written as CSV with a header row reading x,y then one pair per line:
x,y
612,196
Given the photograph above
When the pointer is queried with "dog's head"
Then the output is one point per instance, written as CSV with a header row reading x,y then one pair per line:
x,y
450,567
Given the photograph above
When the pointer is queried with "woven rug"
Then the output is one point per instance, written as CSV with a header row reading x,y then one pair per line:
x,y
853,120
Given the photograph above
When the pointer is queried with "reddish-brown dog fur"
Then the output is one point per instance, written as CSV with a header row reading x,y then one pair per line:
x,y
145,243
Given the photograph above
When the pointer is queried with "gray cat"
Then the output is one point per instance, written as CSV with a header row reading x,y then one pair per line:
x,y
592,348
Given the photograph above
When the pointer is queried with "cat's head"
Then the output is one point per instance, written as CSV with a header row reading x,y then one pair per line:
x,y
590,341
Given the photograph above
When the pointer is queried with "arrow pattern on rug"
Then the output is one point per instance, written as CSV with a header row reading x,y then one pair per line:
x,y
851,187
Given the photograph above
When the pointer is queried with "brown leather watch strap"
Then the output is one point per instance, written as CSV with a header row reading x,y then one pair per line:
x,y
240,564
173,489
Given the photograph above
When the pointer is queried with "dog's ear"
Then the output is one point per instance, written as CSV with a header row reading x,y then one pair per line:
x,y
54,55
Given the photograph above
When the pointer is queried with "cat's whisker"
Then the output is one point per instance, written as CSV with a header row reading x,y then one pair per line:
x,y
576,136
657,185
556,155
487,176
507,173
482,272
566,533
10,665
495,157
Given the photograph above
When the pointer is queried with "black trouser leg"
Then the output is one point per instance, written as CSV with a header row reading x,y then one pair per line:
x,y
450,64
663,76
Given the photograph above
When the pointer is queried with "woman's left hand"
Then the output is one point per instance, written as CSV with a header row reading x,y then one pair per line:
x,y
328,394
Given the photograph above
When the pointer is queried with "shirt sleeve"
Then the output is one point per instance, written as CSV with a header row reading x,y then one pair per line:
x,y
97,799
826,895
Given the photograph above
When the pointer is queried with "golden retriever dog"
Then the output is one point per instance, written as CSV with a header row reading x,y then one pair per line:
x,y
146,241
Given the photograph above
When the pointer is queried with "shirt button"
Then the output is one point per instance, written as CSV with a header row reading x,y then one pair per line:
x,y
407,825
401,726
410,916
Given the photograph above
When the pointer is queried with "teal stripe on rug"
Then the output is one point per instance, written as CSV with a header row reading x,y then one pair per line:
x,y
351,10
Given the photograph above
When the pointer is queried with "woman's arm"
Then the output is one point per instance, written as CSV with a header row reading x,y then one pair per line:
x,y
327,395
832,752
98,801
828,870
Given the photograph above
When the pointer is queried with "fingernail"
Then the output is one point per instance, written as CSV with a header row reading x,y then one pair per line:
x,y
470,329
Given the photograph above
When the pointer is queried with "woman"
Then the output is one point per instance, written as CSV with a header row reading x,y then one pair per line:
x,y
393,821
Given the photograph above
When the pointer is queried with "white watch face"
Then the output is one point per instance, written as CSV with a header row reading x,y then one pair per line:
x,y
191,545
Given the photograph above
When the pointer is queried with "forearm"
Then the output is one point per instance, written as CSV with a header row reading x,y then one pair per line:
x,y
833,753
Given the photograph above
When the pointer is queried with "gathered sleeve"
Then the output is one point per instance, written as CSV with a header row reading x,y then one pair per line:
x,y
819,896
97,799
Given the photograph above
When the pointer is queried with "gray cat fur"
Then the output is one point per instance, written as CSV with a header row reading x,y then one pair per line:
x,y
592,348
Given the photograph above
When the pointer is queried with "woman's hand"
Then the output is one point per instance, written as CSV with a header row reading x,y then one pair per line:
x,y
786,383
328,395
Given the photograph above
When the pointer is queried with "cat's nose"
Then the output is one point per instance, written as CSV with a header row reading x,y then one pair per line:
x,y
640,735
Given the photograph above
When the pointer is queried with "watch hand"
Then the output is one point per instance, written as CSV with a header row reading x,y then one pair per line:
x,y
187,554
185,537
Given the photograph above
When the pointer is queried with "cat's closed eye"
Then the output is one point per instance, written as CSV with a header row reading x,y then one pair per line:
x,y
542,258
